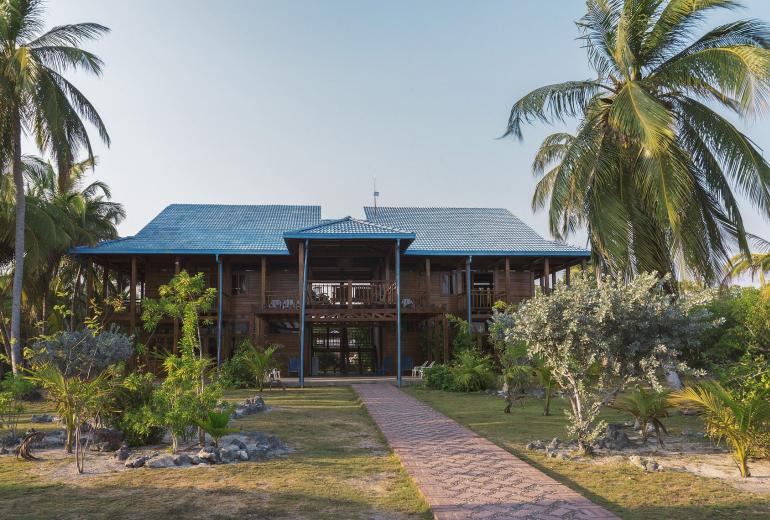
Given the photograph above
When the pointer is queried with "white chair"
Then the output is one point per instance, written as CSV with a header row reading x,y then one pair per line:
x,y
416,370
422,370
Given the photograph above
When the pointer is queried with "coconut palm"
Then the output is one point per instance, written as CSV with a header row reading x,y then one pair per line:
x,y
652,170
648,407
37,99
740,422
757,263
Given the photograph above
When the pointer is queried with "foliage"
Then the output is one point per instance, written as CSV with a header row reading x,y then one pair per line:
x,y
597,339
215,423
260,362
648,407
741,422
757,263
82,352
472,371
652,169
463,338
439,377
234,372
135,413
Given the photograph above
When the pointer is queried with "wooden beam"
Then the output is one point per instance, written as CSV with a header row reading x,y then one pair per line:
x,y
546,274
583,265
567,275
89,286
427,282
106,282
532,281
387,268
132,294
301,270
446,339
263,282
553,279
508,279
350,294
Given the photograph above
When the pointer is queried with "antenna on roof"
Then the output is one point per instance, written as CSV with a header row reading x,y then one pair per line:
x,y
375,194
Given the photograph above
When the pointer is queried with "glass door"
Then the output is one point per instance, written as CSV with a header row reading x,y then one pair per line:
x,y
342,351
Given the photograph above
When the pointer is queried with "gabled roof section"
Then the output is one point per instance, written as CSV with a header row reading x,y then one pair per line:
x,y
214,228
469,231
350,228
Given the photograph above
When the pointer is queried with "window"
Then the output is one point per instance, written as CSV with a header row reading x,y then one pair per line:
x,y
241,328
451,283
239,283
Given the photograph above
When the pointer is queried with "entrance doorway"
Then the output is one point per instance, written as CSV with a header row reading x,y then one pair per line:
x,y
340,350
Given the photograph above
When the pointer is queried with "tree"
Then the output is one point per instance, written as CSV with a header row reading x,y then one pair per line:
x,y
648,407
595,339
35,96
757,263
740,422
259,361
652,170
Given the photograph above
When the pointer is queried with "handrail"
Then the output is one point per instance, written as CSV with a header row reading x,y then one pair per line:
x,y
351,293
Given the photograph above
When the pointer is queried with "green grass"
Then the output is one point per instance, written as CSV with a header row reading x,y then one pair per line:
x,y
340,468
625,490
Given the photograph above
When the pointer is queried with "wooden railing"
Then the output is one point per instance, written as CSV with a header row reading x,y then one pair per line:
x,y
281,301
351,293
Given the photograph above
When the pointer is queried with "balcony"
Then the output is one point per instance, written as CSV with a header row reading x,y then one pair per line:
x,y
351,294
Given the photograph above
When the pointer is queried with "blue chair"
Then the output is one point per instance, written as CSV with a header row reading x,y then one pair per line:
x,y
407,365
294,366
387,367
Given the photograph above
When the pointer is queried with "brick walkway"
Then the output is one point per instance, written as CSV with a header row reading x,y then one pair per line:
x,y
463,475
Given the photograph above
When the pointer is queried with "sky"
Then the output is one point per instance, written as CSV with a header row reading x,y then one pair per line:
x,y
306,102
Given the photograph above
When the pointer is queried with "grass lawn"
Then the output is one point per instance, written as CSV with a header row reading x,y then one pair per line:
x,y
340,468
627,491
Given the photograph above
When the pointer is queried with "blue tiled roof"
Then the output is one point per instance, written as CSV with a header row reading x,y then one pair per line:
x,y
350,227
469,231
214,228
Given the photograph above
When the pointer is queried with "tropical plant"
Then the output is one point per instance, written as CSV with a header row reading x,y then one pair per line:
x,y
546,380
472,371
647,407
439,377
652,170
215,423
134,412
596,339
463,337
756,263
35,96
742,423
260,361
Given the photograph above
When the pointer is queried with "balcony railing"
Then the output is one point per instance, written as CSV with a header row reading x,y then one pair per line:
x,y
352,294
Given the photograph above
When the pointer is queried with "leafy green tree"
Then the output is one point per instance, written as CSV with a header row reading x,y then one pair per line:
x,y
742,423
757,263
652,171
597,339
36,96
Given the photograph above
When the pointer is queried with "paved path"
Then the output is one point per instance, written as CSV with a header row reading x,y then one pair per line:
x,y
463,475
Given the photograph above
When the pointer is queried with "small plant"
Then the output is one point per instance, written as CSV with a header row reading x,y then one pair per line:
x,y
135,413
215,423
260,362
742,423
234,372
647,407
472,371
439,377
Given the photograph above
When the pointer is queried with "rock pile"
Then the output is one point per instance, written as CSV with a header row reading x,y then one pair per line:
x,y
250,406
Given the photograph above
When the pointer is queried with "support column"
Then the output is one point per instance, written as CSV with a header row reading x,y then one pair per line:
x,y
89,286
583,265
567,275
427,282
507,280
263,284
219,311
446,339
175,346
303,298
468,285
106,283
546,274
553,280
132,294
398,310
301,270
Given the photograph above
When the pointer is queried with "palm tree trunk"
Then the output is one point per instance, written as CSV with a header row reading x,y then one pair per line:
x,y
18,271
547,406
75,292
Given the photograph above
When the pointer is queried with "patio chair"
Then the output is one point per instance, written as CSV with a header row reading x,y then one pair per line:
x,y
407,365
293,366
274,377
421,371
416,370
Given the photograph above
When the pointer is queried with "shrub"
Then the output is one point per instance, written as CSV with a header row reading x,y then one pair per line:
x,y
135,413
646,407
83,353
439,377
215,423
472,371
234,372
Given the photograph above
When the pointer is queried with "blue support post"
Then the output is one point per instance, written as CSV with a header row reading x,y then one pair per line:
x,y
398,310
468,288
219,311
302,317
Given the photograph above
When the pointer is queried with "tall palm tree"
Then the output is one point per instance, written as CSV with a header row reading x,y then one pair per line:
x,y
37,99
651,171
757,263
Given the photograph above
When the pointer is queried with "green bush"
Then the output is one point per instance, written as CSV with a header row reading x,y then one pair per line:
x,y
472,371
134,412
439,377
235,372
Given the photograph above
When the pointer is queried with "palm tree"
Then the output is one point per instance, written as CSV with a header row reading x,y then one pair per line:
x,y
651,171
646,407
36,98
754,264
741,423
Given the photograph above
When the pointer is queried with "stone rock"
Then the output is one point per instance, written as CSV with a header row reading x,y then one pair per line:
x,y
225,455
52,440
242,455
535,446
138,462
182,459
195,460
249,407
554,444
108,439
123,452
642,463
614,438
9,440
165,461
42,418
687,432
4,451
240,444
208,454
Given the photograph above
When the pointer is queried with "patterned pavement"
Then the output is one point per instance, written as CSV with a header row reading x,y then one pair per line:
x,y
463,475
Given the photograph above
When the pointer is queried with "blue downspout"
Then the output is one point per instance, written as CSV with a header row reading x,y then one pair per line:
x,y
398,310
468,285
302,318
219,312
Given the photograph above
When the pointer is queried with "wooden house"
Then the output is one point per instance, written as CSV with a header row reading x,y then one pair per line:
x,y
362,296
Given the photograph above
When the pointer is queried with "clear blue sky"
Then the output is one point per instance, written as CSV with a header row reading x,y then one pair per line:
x,y
306,101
